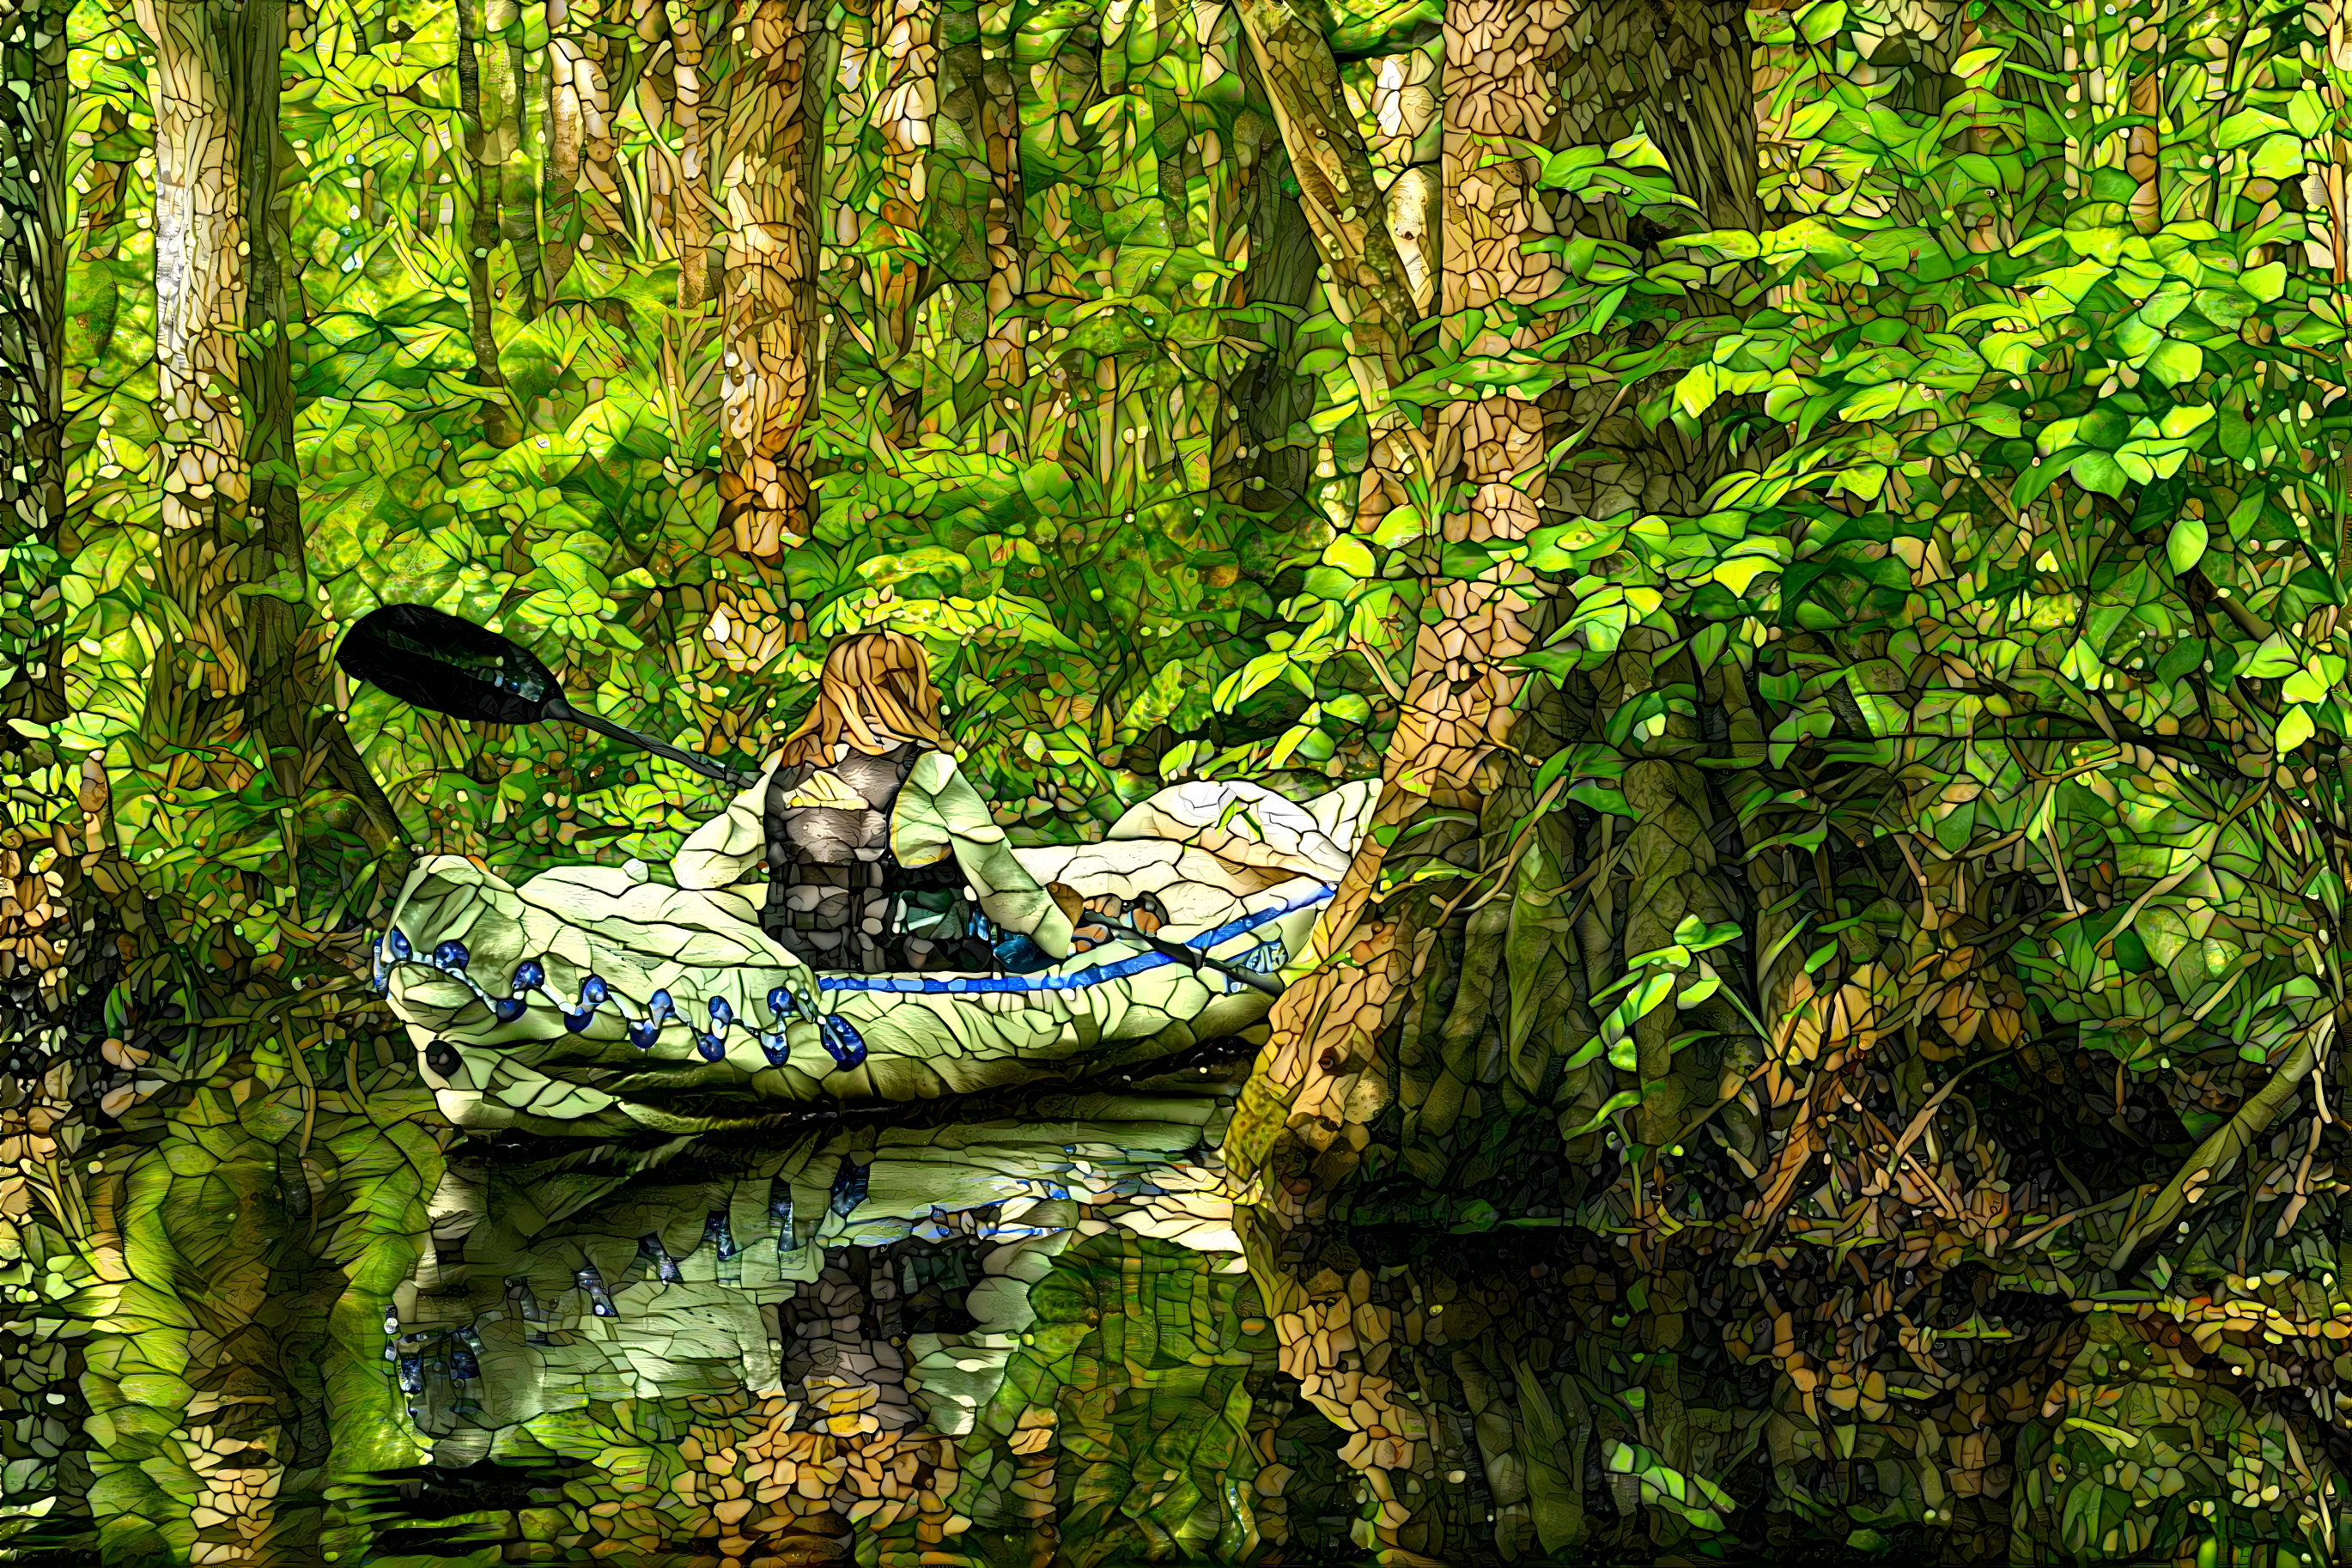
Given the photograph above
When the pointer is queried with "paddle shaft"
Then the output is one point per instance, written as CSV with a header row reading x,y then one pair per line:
x,y
557,708
1192,956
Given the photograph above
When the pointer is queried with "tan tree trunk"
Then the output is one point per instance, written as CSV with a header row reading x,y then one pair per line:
x,y
1367,284
248,668
584,185
904,63
200,253
768,386
690,209
1000,129
1384,1017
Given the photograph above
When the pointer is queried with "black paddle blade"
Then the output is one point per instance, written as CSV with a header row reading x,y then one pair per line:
x,y
430,658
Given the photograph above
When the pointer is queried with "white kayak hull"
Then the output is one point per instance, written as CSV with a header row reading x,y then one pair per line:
x,y
548,1011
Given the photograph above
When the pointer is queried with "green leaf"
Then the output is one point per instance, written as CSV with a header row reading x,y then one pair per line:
x,y
2265,283
2099,472
2306,114
2293,730
2278,158
2176,364
2271,660
1400,527
1350,555
2306,685
2248,125
1820,20
2185,546
2104,428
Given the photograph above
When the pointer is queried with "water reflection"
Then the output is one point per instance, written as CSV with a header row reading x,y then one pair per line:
x,y
915,1325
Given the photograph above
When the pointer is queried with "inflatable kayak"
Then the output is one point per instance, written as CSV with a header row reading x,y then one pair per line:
x,y
596,999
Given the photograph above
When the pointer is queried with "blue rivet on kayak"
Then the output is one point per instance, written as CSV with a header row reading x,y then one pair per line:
x,y
507,1009
599,1300
850,1184
649,1246
843,1041
528,975
712,1047
398,942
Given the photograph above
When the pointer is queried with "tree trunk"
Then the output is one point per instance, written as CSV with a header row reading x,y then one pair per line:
x,y
1450,977
904,59
1367,283
973,185
580,109
522,115
210,1335
1257,466
768,386
1007,223
2143,145
488,137
690,208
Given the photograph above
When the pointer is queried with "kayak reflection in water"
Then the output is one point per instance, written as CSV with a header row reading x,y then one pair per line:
x,y
880,855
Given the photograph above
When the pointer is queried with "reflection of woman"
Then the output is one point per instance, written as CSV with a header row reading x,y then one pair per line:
x,y
877,847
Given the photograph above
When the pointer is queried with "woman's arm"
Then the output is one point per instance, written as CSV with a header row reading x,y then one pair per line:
x,y
939,814
722,851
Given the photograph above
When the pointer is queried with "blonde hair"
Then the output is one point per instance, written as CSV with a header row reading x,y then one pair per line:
x,y
876,692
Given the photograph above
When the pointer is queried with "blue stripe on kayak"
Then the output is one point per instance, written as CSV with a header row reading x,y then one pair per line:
x,y
965,984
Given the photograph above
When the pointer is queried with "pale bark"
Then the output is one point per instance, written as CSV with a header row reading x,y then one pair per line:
x,y
690,208
1367,284
582,178
768,387
201,251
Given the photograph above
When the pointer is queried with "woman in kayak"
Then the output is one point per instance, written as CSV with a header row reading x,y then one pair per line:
x,y
878,851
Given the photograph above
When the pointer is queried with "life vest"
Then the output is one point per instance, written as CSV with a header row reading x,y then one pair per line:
x,y
837,899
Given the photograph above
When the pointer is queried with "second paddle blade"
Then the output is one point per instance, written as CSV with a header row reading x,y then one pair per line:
x,y
433,659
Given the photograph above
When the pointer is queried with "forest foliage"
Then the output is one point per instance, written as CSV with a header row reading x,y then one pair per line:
x,y
2008,639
